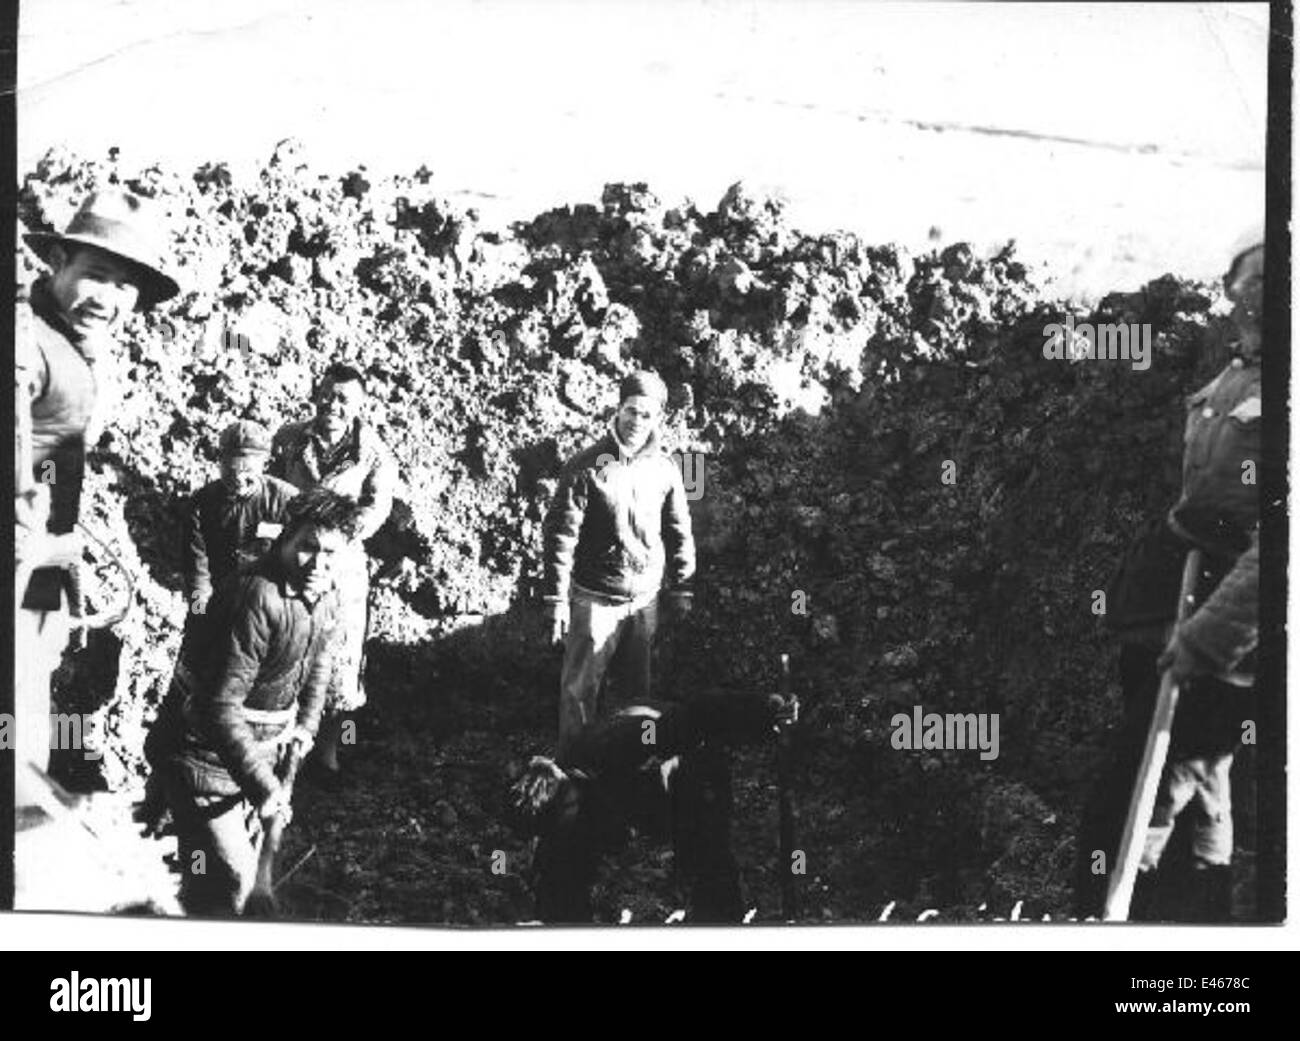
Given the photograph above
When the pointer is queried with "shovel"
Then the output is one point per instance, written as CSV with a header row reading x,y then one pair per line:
x,y
1133,842
261,901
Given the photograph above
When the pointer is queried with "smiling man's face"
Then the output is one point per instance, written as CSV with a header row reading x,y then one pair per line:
x,y
242,472
338,406
95,290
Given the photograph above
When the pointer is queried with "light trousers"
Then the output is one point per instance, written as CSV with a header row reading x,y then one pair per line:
x,y
604,638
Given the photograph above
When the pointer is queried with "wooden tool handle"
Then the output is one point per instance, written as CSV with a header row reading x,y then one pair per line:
x,y
1143,802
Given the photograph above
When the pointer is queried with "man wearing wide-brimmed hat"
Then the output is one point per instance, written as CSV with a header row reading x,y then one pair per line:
x,y
617,533
104,265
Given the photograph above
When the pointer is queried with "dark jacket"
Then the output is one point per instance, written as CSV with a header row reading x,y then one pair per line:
x,y
1219,512
221,532
55,381
1219,506
619,524
258,646
620,742
1224,630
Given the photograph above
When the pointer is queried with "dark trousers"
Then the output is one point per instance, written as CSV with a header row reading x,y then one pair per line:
x,y
218,832
1189,877
218,839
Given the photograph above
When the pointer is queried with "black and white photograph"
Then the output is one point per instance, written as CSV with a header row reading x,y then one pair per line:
x,y
729,463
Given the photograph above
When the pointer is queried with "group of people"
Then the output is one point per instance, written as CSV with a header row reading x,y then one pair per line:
x,y
275,568
277,585
231,520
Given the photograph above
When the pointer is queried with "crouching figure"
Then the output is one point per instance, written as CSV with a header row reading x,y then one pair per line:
x,y
659,766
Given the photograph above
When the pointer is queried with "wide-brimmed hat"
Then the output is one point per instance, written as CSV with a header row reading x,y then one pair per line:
x,y
119,223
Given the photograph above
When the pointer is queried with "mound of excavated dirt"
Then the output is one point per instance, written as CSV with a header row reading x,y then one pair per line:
x,y
827,386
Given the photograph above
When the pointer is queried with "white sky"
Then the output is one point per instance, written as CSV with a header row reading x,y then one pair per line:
x,y
519,106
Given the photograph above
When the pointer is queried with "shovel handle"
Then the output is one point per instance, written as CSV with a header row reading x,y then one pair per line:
x,y
262,897
1143,801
